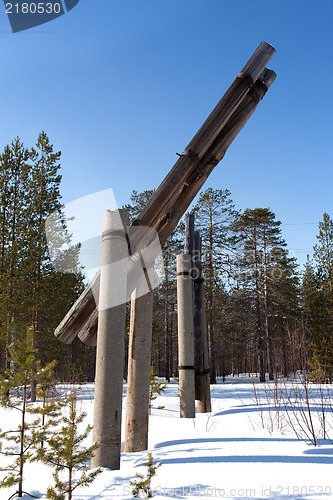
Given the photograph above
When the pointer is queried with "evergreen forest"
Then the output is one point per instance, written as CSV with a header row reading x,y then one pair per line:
x,y
265,314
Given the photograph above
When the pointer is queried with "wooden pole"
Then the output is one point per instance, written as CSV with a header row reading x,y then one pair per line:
x,y
200,333
111,343
138,380
186,178
189,234
185,336
205,406
198,319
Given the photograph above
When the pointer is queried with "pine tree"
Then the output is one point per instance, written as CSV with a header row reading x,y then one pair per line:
x,y
14,172
141,487
156,387
318,301
45,184
62,451
32,293
214,211
265,270
14,394
137,202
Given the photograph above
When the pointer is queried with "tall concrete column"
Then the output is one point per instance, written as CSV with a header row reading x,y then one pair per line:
x,y
138,380
110,342
185,336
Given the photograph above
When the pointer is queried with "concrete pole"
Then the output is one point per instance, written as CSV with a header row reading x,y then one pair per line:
x,y
185,336
138,380
110,342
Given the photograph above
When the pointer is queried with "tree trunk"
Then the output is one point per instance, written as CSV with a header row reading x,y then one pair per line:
x,y
260,339
269,349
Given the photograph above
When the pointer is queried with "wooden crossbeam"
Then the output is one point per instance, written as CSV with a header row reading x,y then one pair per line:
x,y
172,198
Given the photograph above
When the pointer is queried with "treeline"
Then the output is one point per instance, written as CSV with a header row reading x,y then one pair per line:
x,y
262,311
33,296
264,315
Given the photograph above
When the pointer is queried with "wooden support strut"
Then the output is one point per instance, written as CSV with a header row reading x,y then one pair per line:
x,y
176,192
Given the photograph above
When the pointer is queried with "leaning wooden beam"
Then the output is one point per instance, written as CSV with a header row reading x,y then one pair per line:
x,y
82,317
207,133
181,185
179,203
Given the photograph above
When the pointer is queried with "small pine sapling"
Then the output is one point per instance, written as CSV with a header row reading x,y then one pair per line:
x,y
141,487
50,405
157,386
62,452
14,395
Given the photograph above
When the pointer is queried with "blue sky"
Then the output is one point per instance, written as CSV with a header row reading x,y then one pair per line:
x,y
121,86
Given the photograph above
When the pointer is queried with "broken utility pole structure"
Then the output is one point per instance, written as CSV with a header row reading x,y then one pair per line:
x,y
171,200
192,334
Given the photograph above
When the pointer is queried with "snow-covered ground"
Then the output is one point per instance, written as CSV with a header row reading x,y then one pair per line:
x,y
225,454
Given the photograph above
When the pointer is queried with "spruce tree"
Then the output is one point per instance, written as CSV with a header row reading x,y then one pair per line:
x,y
14,395
141,487
318,301
45,187
14,174
214,211
32,293
64,453
265,271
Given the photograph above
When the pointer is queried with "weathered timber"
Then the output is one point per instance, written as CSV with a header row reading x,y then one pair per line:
x,y
198,320
178,204
201,360
205,406
189,234
206,135
172,198
88,334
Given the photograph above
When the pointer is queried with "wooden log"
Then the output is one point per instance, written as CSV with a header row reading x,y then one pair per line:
x,y
207,133
178,204
189,234
198,319
205,405
164,210
88,333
